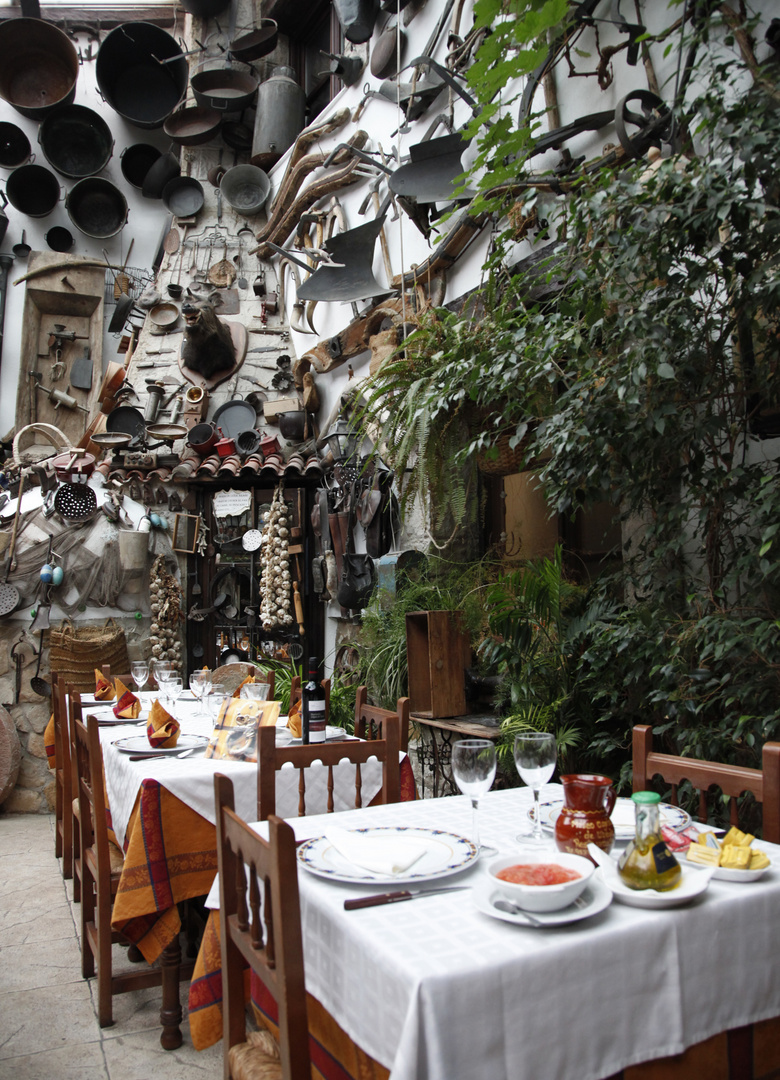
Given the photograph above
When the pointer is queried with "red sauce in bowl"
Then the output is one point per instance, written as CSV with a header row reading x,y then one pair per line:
x,y
537,874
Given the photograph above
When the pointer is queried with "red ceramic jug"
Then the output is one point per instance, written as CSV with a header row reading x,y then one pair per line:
x,y
588,800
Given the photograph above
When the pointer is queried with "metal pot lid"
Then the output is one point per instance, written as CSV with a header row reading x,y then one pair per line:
x,y
126,419
234,417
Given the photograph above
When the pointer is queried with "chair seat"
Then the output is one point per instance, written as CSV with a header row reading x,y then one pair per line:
x,y
256,1059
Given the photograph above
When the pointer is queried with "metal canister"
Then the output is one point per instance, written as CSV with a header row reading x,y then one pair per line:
x,y
280,117
155,391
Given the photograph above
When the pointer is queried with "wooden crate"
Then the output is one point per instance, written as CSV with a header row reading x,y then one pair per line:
x,y
435,653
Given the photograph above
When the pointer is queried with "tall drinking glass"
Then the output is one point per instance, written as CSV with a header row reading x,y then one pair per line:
x,y
474,769
535,760
139,669
172,687
200,684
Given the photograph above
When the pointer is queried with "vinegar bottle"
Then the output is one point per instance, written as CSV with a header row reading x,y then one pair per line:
x,y
313,706
647,863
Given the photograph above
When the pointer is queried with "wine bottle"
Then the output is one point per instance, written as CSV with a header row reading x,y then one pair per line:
x,y
313,706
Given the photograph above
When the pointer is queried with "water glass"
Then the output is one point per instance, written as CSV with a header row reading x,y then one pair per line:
x,y
474,770
535,755
139,669
257,691
200,684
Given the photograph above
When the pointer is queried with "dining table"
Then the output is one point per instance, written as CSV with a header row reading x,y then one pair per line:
x,y
447,987
162,816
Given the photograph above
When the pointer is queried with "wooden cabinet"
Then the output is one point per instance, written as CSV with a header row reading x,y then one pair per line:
x,y
435,653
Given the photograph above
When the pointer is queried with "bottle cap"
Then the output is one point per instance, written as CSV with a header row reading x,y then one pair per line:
x,y
646,798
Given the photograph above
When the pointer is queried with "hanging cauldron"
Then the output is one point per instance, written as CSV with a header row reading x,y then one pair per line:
x,y
33,190
141,73
96,207
14,146
39,66
76,141
136,161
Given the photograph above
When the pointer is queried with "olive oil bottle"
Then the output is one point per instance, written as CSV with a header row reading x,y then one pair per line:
x,y
647,862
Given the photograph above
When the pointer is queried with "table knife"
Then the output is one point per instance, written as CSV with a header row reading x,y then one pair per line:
x,y
396,897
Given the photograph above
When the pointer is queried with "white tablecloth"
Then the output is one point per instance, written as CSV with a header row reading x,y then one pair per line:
x,y
192,779
435,990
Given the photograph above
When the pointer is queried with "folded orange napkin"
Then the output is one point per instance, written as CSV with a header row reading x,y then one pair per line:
x,y
104,689
237,691
127,706
294,722
163,730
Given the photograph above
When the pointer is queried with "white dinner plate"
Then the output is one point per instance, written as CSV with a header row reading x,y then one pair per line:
x,y
109,720
723,873
693,884
447,854
139,744
593,900
623,816
284,738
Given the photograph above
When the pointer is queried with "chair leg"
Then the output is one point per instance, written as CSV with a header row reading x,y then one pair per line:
x,y
87,922
104,968
67,846
740,1051
77,871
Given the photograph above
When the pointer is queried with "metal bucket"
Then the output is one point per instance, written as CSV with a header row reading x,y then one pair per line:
x,y
136,161
59,238
76,141
14,146
141,73
33,190
246,188
39,66
96,207
279,118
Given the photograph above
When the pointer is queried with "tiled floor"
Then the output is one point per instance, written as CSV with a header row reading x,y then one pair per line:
x,y
48,1019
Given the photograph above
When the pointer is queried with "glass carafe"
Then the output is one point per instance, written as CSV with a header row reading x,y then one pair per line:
x,y
647,862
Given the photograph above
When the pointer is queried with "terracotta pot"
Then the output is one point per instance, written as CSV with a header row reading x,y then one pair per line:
x,y
585,818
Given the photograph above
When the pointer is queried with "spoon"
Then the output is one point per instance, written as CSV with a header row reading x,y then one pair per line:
x,y
512,909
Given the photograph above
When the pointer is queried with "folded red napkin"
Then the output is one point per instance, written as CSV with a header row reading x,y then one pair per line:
x,y
104,689
128,706
163,730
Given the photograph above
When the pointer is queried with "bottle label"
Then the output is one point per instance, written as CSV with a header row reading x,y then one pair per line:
x,y
316,721
664,859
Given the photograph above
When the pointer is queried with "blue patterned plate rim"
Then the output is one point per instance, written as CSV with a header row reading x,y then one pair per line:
x,y
319,857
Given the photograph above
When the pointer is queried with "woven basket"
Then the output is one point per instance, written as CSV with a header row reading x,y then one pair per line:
x,y
502,459
75,651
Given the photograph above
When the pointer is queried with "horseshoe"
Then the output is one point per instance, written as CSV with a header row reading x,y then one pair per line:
x,y
654,121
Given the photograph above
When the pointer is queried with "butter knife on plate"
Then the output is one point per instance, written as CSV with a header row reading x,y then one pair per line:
x,y
396,897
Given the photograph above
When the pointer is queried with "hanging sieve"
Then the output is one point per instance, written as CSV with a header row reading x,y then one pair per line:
x,y
75,502
9,598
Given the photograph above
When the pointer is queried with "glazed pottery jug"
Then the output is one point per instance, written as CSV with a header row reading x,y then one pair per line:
x,y
588,801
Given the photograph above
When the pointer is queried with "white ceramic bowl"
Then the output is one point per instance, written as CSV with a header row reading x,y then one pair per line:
x,y
542,897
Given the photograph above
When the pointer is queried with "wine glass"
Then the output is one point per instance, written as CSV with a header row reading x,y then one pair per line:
x,y
535,760
161,669
172,687
139,669
474,769
200,684
257,691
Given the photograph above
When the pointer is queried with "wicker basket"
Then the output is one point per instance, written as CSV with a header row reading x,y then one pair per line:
x,y
502,459
75,651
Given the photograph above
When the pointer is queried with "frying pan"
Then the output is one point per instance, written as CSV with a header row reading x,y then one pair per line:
x,y
164,315
234,417
183,196
192,126
128,420
122,312
258,42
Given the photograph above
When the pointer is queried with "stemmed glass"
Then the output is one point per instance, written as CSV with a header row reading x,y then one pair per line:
x,y
474,770
200,684
162,668
171,688
535,760
139,669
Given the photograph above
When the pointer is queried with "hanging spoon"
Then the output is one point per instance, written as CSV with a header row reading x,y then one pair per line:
x,y
242,281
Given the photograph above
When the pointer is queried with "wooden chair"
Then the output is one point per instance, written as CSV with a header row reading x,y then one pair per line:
x,y
63,793
73,699
368,715
733,780
230,676
260,926
271,758
101,868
